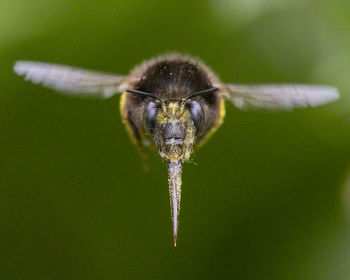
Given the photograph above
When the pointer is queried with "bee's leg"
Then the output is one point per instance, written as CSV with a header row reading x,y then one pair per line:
x,y
144,158
136,138
130,120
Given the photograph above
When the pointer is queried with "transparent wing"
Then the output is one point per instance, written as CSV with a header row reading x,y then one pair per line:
x,y
279,97
70,80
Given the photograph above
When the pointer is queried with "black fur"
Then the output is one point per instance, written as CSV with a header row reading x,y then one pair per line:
x,y
173,79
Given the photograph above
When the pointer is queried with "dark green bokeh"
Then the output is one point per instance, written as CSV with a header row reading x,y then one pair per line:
x,y
267,198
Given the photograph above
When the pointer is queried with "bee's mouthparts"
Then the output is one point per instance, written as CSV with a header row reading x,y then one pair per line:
x,y
174,177
174,133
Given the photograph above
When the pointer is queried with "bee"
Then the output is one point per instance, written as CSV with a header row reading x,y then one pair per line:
x,y
174,103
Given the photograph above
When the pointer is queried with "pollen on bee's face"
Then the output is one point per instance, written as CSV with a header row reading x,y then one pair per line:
x,y
176,133
170,111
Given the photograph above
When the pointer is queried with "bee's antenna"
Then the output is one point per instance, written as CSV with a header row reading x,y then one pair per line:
x,y
174,178
209,90
142,93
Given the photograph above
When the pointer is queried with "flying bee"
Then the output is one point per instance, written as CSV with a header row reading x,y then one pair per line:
x,y
174,103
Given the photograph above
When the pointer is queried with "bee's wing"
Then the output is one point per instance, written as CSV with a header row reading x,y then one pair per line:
x,y
70,80
279,97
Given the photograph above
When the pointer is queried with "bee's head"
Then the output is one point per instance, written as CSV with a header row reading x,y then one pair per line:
x,y
174,126
175,123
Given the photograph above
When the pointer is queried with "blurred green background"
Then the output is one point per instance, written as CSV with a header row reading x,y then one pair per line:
x,y
269,196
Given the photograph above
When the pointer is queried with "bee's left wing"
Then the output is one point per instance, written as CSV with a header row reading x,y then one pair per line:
x,y
70,80
279,97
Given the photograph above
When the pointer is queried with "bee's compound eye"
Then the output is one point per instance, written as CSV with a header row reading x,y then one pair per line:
x,y
197,115
149,117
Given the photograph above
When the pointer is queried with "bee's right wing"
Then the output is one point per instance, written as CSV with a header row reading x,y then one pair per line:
x,y
71,80
279,96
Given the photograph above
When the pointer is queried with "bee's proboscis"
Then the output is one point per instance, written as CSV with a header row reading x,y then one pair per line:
x,y
174,178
